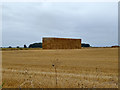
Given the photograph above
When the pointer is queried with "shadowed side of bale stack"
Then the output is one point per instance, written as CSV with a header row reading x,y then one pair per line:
x,y
61,43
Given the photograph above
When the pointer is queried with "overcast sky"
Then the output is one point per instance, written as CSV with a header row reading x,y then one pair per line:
x,y
26,23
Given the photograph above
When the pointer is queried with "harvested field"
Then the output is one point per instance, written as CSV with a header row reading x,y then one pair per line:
x,y
72,68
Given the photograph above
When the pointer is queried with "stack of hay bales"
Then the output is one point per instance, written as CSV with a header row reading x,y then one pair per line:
x,y
61,43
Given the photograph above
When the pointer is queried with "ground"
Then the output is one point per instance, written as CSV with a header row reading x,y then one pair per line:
x,y
70,68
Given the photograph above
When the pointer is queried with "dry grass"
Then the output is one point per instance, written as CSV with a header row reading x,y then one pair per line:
x,y
77,68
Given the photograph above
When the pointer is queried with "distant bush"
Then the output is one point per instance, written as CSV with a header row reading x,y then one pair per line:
x,y
35,45
85,45
9,47
18,47
25,46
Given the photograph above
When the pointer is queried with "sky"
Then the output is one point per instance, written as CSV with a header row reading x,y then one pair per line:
x,y
96,23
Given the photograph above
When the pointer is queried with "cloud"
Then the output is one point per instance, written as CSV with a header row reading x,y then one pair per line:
x,y
94,23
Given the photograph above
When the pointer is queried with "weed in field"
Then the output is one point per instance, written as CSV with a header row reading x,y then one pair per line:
x,y
55,64
1,86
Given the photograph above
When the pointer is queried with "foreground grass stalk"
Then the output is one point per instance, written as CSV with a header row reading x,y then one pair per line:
x,y
56,75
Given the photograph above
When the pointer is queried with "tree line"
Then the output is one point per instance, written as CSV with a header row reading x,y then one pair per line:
x,y
39,45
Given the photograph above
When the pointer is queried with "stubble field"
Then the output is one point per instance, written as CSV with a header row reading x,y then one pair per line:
x,y
75,68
